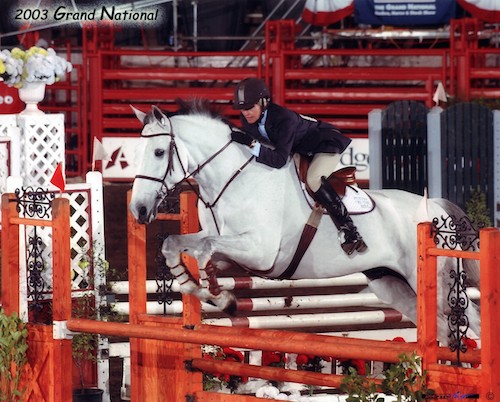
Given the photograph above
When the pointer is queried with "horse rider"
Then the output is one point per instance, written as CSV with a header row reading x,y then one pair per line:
x,y
290,133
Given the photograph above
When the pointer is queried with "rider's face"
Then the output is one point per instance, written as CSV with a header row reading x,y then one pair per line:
x,y
252,115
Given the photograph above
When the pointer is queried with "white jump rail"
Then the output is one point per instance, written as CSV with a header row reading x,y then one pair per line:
x,y
288,304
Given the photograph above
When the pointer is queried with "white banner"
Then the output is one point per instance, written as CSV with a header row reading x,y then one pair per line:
x,y
125,154
124,157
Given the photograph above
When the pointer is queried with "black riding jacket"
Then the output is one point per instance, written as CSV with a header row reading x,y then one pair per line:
x,y
292,133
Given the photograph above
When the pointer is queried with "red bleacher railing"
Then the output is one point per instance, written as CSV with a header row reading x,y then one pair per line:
x,y
343,88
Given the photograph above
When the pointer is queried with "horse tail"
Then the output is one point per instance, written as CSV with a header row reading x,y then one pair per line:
x,y
471,267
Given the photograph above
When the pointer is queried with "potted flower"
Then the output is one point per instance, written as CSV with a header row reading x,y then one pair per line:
x,y
13,356
31,71
41,65
219,381
11,68
403,381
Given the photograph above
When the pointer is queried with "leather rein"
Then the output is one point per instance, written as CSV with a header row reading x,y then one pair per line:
x,y
309,228
173,150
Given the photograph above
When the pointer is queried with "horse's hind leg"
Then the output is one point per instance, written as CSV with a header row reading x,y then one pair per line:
x,y
396,293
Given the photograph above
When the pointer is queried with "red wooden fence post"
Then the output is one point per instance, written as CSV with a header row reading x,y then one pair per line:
x,y
490,307
10,256
61,304
191,311
426,297
137,293
156,365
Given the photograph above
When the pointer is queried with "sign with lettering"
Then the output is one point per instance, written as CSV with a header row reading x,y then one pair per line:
x,y
356,155
404,12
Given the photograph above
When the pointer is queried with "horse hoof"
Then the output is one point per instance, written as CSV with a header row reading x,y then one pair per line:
x,y
231,305
231,309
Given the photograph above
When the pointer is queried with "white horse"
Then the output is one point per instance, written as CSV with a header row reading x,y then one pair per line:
x,y
253,215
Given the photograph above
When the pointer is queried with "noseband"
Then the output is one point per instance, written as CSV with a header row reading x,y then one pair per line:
x,y
172,149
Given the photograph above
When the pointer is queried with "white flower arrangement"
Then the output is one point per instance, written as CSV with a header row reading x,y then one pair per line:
x,y
11,68
37,64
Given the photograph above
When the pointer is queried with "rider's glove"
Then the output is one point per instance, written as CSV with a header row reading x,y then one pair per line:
x,y
242,137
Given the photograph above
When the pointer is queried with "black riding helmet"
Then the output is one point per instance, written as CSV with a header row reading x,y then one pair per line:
x,y
249,92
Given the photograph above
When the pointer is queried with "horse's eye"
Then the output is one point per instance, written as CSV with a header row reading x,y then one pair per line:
x,y
159,152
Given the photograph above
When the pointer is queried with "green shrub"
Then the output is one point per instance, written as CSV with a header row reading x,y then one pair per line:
x,y
13,355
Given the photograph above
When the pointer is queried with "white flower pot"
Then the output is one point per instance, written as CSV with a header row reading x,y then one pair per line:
x,y
32,93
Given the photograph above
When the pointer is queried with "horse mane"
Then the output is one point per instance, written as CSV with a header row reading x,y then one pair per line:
x,y
199,106
202,107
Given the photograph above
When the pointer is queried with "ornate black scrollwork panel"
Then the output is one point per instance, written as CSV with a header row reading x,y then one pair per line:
x,y
452,233
170,203
164,278
35,266
458,301
35,203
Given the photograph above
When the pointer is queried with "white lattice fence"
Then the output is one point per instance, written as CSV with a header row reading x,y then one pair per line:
x,y
9,150
4,162
42,147
87,231
33,147
87,235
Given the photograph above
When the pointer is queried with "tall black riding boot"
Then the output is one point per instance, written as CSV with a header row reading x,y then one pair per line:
x,y
330,200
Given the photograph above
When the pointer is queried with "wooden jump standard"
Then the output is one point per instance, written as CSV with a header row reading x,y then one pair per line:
x,y
47,377
161,346
449,379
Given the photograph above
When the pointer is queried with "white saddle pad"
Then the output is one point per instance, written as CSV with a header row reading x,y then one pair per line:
x,y
357,201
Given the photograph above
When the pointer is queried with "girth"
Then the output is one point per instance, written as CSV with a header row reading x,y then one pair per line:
x,y
339,180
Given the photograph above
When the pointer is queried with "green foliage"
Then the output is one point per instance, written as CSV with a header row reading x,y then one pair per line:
x,y
85,345
493,104
13,349
359,388
405,380
477,210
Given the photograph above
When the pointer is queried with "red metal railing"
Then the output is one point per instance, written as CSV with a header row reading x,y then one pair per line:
x,y
164,77
343,89
344,94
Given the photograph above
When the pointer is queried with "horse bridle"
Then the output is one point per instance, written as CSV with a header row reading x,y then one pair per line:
x,y
174,150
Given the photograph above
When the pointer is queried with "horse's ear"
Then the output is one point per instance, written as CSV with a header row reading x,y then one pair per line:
x,y
140,115
160,116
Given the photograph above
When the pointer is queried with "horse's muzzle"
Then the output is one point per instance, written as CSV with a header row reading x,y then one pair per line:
x,y
141,214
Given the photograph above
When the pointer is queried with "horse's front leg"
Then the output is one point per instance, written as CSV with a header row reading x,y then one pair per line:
x,y
207,289
172,248
202,249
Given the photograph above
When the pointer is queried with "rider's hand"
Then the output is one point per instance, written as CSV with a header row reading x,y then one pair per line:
x,y
242,137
